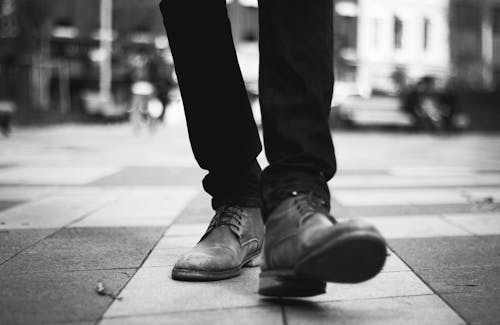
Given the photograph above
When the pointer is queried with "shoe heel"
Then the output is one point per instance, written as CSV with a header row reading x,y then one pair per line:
x,y
287,284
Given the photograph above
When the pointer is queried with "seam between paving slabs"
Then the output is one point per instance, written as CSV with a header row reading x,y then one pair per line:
x,y
260,305
193,311
101,317
85,215
137,269
74,270
429,286
443,217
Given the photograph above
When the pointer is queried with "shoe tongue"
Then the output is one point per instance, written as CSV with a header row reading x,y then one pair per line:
x,y
220,234
225,221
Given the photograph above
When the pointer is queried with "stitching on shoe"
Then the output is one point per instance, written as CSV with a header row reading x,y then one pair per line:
x,y
259,244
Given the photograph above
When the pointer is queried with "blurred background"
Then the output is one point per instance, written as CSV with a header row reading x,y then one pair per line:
x,y
428,65
98,180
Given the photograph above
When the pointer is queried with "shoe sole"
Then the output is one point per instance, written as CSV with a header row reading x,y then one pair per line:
x,y
350,258
198,275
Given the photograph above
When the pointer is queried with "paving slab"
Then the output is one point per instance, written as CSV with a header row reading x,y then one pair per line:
x,y
340,211
151,291
472,207
122,217
202,217
25,193
463,270
198,210
399,181
4,165
4,205
412,210
12,241
384,285
477,308
427,309
477,223
49,175
394,264
73,323
92,191
186,229
478,194
437,171
382,181
52,297
416,227
146,207
163,257
87,249
244,316
152,176
463,279
385,197
181,242
448,252
53,212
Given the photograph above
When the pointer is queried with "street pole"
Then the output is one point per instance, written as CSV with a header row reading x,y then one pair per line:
x,y
106,47
487,42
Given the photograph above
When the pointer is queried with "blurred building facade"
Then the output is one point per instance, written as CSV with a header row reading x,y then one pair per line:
x,y
475,41
381,44
129,17
387,38
64,52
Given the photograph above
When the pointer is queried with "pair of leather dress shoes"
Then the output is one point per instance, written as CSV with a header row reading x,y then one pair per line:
x,y
303,248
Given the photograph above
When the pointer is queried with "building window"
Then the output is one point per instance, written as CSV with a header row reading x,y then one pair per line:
x,y
398,33
496,20
427,30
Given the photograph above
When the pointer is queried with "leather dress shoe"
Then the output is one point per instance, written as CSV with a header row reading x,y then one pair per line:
x,y
305,247
233,240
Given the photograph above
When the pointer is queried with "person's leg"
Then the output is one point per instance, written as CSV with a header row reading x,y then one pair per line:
x,y
305,247
296,84
223,135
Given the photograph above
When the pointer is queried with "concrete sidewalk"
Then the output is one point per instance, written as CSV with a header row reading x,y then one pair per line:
x,y
86,204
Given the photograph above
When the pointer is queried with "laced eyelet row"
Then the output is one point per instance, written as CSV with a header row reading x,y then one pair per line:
x,y
233,218
308,203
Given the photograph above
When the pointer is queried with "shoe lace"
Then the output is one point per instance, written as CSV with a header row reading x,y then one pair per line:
x,y
309,204
228,215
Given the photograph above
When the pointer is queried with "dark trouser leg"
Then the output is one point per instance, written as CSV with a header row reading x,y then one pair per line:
x,y
223,134
296,85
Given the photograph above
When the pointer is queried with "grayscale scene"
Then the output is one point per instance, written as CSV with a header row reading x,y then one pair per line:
x,y
250,162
